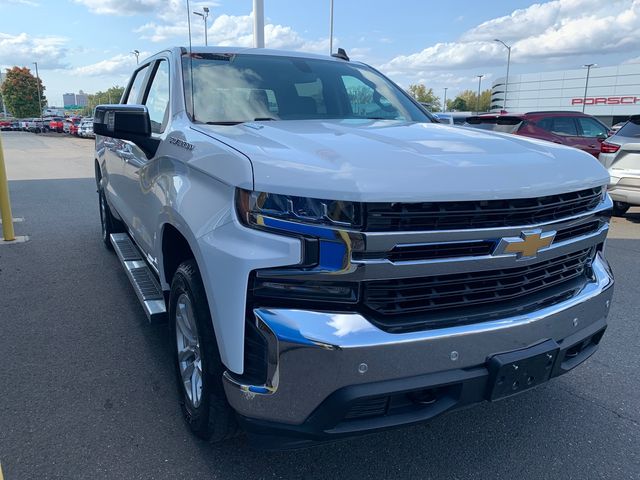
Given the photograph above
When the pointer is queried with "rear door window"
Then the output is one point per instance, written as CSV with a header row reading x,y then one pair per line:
x,y
591,128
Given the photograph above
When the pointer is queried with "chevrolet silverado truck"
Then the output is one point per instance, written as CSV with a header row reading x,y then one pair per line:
x,y
331,260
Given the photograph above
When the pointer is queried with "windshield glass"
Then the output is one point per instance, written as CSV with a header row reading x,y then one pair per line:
x,y
236,88
630,129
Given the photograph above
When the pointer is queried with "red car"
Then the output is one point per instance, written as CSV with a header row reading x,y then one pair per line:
x,y
56,124
574,129
73,126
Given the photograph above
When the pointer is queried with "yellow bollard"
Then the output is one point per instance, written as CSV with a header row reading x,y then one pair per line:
x,y
5,205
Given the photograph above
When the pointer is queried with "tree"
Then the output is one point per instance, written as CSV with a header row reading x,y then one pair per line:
x,y
111,95
457,105
425,95
20,93
470,98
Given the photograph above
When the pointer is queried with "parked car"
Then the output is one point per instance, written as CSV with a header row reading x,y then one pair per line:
x,y
614,129
6,125
574,129
56,124
85,128
620,154
444,117
327,272
36,125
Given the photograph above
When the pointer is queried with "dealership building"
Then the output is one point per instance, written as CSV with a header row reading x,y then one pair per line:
x,y
613,93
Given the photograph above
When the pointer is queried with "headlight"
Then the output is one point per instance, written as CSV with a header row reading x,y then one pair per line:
x,y
253,207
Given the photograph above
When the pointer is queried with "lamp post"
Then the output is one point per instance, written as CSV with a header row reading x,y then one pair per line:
x,y
506,82
444,103
258,23
204,15
39,93
588,66
330,27
478,99
137,54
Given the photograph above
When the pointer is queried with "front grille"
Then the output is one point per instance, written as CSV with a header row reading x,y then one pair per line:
x,y
444,300
479,214
474,248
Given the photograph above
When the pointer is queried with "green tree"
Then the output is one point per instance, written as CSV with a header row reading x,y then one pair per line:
x,y
425,95
471,100
20,93
457,105
111,95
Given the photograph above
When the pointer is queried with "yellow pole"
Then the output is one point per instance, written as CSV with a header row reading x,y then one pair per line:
x,y
5,205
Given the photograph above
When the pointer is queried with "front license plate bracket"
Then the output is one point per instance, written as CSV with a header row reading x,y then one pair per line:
x,y
514,372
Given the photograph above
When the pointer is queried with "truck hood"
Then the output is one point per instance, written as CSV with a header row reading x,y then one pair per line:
x,y
386,161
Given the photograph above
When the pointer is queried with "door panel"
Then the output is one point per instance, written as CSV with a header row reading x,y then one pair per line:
x,y
140,172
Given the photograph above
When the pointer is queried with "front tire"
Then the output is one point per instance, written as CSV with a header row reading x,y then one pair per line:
x,y
620,209
197,360
108,223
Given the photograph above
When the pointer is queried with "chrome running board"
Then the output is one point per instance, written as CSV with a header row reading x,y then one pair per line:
x,y
141,277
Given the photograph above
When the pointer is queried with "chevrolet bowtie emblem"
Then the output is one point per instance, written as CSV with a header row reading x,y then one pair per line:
x,y
527,245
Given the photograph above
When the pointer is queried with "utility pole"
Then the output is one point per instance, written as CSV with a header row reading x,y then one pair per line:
x,y
258,23
39,93
330,27
588,66
478,99
137,54
444,104
204,18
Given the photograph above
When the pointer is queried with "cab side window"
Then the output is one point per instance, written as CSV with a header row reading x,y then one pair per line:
x,y
134,94
157,100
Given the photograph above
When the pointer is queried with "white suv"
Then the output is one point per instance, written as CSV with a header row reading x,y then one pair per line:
x,y
621,155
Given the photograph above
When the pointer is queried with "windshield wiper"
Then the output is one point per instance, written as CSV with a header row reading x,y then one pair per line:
x,y
264,119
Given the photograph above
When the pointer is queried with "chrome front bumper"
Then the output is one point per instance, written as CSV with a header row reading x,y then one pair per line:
x,y
313,354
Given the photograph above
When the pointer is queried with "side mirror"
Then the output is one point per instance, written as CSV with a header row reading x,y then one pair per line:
x,y
126,122
601,138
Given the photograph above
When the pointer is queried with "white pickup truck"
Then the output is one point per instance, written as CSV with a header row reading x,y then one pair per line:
x,y
331,260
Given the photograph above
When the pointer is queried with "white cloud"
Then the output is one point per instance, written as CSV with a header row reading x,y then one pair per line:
x,y
237,30
555,30
23,49
122,64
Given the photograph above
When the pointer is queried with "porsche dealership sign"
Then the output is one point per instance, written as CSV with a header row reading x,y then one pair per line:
x,y
627,100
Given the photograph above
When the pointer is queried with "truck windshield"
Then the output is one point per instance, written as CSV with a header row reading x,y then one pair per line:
x,y
235,88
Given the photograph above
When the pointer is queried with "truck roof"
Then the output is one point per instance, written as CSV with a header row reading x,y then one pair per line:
x,y
253,51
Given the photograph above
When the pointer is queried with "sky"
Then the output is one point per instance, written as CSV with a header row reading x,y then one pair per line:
x,y
87,44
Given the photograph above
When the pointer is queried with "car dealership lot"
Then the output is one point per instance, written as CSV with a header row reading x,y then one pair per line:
x,y
88,390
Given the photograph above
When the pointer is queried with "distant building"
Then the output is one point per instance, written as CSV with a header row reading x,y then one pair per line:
x,y
613,93
82,99
69,99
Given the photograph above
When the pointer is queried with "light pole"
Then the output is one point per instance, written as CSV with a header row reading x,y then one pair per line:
x,y
39,94
137,54
506,82
330,27
258,23
204,18
444,103
478,99
588,66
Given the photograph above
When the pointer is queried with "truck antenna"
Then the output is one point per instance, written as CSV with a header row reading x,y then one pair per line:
x,y
193,109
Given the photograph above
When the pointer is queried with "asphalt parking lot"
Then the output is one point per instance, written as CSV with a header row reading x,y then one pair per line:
x,y
87,389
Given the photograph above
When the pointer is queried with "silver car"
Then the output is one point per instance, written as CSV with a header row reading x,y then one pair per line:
x,y
620,154
86,128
